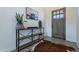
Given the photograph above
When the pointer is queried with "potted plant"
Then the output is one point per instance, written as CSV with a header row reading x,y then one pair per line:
x,y
19,18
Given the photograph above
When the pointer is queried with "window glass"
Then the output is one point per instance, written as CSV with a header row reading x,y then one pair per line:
x,y
54,13
61,11
54,17
58,16
57,12
61,15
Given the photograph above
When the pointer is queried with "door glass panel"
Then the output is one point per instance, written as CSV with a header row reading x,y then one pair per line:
x,y
57,12
61,11
61,16
54,17
54,13
58,16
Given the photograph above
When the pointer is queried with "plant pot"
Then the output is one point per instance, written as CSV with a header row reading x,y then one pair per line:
x,y
20,22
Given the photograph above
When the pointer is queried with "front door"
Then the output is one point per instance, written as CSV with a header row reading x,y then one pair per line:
x,y
58,23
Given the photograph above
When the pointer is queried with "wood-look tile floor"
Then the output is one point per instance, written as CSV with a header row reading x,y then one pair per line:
x,y
57,41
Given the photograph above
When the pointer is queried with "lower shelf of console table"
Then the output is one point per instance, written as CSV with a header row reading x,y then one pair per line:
x,y
28,44
25,45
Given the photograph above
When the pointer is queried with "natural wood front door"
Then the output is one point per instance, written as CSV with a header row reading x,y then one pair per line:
x,y
58,23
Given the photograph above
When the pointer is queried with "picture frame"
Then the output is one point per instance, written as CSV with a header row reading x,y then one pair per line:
x,y
31,14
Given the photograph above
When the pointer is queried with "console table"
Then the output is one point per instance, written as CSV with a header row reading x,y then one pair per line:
x,y
20,27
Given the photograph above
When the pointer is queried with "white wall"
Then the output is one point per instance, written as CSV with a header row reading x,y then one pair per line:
x,y
70,22
71,18
48,20
8,26
77,27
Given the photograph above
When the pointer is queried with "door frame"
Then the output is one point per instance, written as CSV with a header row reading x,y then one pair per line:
x,y
64,8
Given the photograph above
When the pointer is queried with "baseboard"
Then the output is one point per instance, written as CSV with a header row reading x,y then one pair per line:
x,y
14,50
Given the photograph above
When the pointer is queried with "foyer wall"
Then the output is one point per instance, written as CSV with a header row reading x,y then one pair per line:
x,y
77,27
8,26
70,22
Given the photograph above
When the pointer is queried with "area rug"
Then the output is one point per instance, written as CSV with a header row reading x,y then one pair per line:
x,y
47,46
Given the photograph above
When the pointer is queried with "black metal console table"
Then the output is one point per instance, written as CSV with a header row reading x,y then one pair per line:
x,y
19,28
